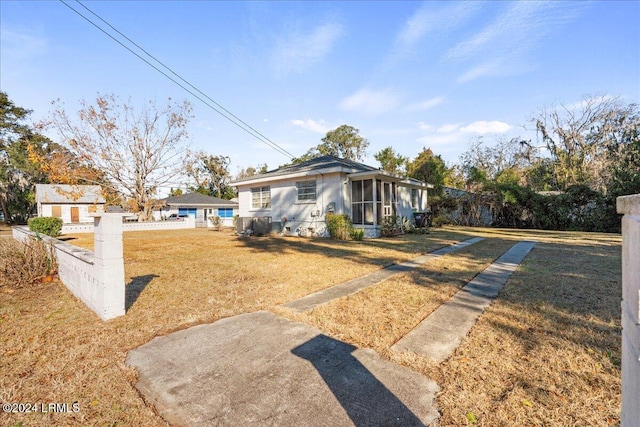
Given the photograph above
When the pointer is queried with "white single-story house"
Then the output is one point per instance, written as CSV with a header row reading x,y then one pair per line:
x,y
72,203
294,199
200,206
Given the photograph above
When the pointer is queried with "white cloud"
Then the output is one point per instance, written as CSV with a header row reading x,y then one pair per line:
x,y
483,127
434,139
485,69
424,105
455,133
503,44
296,51
424,126
21,44
448,128
312,125
429,20
371,102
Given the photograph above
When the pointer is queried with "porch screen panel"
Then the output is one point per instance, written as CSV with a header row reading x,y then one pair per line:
x,y
362,202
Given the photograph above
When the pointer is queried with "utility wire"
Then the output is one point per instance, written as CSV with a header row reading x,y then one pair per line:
x,y
210,103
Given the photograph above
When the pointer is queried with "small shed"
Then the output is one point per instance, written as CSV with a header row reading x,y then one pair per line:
x,y
71,203
200,206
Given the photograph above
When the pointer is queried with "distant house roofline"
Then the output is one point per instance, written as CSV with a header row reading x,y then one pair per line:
x,y
69,194
197,199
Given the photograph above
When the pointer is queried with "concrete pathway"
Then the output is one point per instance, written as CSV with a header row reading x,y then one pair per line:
x,y
352,286
440,333
260,369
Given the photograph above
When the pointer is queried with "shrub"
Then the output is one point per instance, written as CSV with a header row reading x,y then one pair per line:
x,y
440,220
48,226
338,226
357,233
408,225
390,226
23,264
216,222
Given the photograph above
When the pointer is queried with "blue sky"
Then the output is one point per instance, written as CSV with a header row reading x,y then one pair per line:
x,y
407,74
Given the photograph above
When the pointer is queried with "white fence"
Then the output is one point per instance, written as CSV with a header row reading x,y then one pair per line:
x,y
630,207
134,226
96,278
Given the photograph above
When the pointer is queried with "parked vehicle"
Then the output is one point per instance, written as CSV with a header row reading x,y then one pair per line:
x,y
177,217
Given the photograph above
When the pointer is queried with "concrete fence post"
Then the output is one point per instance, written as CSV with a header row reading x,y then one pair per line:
x,y
109,263
630,207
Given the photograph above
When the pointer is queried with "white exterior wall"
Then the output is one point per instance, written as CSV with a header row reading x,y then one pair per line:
x,y
133,226
83,211
96,278
226,222
405,207
301,215
630,207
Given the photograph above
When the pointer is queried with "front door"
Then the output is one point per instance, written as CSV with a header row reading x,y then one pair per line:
x,y
75,214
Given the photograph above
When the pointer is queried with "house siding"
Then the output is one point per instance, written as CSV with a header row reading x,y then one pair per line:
x,y
301,215
46,210
159,215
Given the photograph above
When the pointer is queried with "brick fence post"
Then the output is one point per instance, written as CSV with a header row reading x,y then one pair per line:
x,y
630,207
109,263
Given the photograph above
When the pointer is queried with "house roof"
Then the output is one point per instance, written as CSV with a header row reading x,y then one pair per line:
x,y
312,167
197,199
326,164
61,193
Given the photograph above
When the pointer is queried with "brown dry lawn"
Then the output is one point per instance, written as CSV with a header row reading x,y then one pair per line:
x,y
545,353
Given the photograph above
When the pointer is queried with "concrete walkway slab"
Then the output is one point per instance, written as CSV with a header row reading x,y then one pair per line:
x,y
352,286
260,369
437,336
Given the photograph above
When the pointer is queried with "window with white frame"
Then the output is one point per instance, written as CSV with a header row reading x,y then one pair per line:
x,y
414,198
306,191
261,197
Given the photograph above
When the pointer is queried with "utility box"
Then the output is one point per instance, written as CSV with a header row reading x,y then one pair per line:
x,y
262,226
257,226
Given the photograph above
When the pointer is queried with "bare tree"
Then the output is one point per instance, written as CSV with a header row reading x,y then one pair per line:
x,y
138,152
578,138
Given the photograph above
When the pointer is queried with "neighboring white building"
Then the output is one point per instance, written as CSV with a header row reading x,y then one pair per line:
x,y
305,192
199,206
72,203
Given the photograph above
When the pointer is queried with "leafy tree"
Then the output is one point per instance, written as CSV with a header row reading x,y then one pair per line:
x,y
429,168
18,173
391,161
175,192
624,154
210,174
345,142
137,152
503,162
251,171
625,177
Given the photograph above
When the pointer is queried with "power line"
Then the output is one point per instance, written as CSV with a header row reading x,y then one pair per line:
x,y
215,106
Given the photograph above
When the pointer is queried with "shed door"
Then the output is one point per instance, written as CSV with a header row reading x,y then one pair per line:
x,y
75,214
